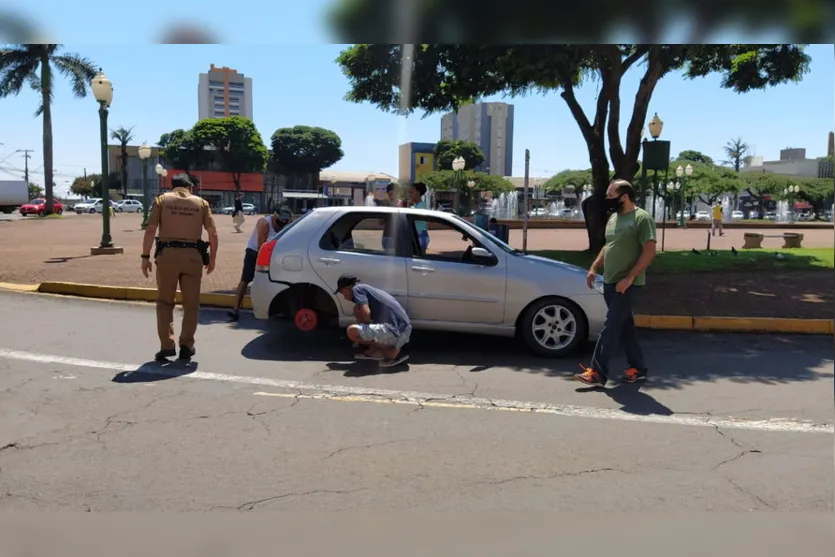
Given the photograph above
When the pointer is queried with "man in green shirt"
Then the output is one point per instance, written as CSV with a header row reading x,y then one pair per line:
x,y
629,250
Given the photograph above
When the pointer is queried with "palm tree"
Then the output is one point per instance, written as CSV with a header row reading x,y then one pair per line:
x,y
33,64
123,136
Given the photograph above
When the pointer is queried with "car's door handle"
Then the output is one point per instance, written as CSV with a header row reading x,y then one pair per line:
x,y
421,269
329,261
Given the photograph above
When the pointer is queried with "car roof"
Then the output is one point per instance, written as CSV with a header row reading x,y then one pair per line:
x,y
378,209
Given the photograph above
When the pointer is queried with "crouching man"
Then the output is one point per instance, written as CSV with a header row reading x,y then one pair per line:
x,y
382,328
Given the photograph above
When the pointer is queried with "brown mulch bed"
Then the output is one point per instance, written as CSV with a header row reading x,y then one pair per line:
x,y
59,250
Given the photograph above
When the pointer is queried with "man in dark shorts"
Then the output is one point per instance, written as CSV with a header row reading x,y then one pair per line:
x,y
383,328
264,229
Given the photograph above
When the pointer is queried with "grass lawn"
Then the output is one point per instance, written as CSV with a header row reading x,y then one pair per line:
x,y
669,262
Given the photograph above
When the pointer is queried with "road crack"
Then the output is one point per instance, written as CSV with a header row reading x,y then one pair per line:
x,y
743,449
370,446
252,504
547,476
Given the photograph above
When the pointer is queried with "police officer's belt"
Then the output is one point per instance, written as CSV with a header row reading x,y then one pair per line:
x,y
178,244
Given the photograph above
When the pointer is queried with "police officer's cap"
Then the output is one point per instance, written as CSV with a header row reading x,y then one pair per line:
x,y
181,181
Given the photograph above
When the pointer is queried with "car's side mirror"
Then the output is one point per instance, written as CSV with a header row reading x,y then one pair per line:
x,y
482,255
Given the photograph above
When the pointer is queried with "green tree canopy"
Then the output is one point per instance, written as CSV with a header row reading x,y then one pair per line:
x,y
561,180
123,136
447,180
737,152
447,150
694,156
179,150
444,76
34,65
305,149
818,192
35,190
236,141
708,181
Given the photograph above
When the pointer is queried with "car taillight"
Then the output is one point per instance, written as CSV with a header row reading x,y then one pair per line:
x,y
265,254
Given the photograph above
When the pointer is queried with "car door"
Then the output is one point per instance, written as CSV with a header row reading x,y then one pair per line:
x,y
447,285
353,243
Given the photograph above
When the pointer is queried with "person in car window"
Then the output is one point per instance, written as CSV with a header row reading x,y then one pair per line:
x,y
416,193
383,328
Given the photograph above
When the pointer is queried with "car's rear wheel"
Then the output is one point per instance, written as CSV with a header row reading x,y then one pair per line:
x,y
92,211
120,210
553,327
59,211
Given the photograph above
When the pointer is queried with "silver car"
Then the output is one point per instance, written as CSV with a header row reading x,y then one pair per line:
x,y
466,280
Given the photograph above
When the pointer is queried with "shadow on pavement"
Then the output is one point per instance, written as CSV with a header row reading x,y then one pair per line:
x,y
364,368
675,359
150,372
632,399
220,316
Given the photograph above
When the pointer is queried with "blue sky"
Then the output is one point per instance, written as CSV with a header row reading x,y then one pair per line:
x,y
155,90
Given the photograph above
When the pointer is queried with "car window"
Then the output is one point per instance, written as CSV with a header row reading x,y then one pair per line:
x,y
447,242
361,232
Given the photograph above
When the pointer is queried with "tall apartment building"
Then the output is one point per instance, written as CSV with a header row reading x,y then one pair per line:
x,y
490,125
224,92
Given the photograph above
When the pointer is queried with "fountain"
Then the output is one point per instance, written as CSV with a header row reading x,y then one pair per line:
x,y
658,203
505,206
726,209
783,211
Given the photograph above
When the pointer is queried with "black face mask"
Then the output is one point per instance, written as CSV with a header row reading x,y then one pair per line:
x,y
614,204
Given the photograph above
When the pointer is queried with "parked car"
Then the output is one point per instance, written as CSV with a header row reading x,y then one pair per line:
x,y
771,215
467,281
249,209
737,215
128,206
37,207
93,205
702,215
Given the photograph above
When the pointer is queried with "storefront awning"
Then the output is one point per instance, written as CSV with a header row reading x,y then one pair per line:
x,y
302,195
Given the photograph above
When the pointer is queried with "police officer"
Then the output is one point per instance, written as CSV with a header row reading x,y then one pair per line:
x,y
180,216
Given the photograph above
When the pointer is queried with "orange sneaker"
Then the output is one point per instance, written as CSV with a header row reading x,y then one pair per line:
x,y
590,377
633,374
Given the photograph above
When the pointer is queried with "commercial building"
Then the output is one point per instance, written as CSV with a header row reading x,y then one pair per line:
x,y
134,185
415,160
490,125
223,92
792,162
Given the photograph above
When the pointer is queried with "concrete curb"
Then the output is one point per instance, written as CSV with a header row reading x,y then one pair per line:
x,y
657,322
132,294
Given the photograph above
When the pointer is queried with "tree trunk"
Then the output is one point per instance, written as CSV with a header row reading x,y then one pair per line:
x,y
124,171
46,84
594,206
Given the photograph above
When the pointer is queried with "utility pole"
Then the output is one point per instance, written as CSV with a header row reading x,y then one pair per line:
x,y
26,157
525,201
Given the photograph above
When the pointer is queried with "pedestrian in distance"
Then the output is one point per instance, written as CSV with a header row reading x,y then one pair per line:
x,y
718,214
238,213
629,250
265,228
416,194
383,328
180,257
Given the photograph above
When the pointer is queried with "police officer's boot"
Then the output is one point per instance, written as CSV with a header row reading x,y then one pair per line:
x,y
187,353
163,355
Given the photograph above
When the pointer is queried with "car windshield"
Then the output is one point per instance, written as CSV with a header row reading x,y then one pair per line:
x,y
37,202
504,247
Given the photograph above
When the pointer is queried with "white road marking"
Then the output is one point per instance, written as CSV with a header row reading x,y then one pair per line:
x,y
360,394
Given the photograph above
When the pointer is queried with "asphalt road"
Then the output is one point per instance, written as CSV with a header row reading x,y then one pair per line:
x,y
272,420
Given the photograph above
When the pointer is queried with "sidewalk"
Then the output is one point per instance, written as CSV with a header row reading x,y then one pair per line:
x,y
34,251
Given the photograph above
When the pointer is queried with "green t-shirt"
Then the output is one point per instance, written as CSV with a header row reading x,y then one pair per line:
x,y
625,238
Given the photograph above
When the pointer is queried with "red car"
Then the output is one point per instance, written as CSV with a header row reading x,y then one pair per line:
x,y
37,206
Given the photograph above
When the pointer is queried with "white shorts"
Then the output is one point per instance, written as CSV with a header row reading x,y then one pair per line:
x,y
382,335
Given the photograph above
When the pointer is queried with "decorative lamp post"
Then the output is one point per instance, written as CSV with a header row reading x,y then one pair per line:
x,y
458,166
144,154
679,192
790,192
103,91
655,126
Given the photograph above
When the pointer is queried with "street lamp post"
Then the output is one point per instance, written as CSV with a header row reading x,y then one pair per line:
x,y
161,173
458,166
144,153
790,192
103,91
678,193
